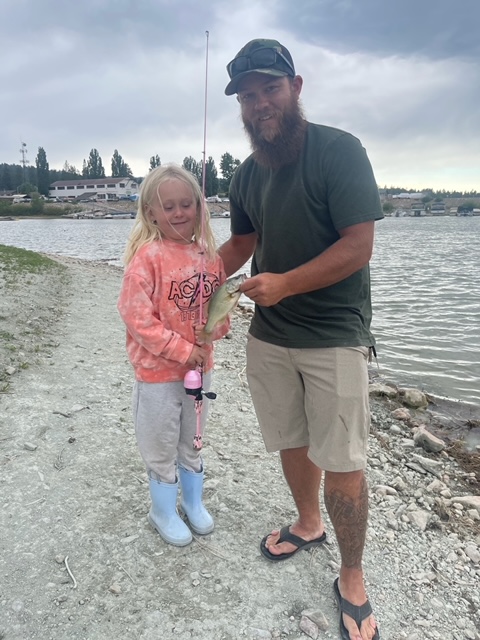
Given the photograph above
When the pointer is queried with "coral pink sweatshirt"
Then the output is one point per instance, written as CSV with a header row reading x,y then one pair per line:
x,y
159,303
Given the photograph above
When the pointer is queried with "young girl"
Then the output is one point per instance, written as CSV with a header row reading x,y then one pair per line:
x,y
160,305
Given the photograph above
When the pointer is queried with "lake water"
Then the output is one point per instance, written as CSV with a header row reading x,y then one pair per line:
x,y
425,287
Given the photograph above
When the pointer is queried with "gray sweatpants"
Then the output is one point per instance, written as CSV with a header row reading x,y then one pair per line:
x,y
165,425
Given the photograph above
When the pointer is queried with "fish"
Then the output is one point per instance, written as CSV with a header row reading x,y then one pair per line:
x,y
223,302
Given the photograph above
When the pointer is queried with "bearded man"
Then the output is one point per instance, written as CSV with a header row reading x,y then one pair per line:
x,y
305,204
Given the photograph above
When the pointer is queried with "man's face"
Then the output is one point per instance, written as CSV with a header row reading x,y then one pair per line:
x,y
265,101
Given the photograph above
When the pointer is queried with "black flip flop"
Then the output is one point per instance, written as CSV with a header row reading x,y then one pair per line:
x,y
358,614
286,536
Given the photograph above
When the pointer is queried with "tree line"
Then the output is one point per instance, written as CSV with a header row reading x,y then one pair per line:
x,y
431,194
26,178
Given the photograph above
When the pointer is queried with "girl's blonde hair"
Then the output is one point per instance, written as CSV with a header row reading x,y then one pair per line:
x,y
145,231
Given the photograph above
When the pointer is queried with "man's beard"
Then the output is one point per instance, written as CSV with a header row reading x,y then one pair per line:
x,y
287,143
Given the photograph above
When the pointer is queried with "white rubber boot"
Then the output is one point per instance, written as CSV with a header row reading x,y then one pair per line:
x,y
163,515
192,488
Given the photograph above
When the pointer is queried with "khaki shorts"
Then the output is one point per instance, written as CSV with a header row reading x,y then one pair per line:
x,y
315,398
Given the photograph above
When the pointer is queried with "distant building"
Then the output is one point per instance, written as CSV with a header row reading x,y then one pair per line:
x,y
438,209
93,189
15,198
418,209
409,196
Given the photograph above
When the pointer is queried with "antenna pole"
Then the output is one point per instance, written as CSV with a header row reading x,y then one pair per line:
x,y
24,160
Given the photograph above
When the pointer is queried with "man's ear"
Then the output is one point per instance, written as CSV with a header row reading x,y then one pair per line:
x,y
297,84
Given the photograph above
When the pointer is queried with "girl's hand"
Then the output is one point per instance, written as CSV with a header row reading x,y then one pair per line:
x,y
198,333
200,337
198,356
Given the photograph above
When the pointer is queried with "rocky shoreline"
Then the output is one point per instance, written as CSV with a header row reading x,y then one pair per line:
x,y
80,560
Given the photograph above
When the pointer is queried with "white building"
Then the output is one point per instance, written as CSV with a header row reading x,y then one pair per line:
x,y
408,196
93,189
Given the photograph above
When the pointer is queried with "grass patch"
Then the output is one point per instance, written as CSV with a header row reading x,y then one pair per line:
x,y
36,209
33,293
20,263
4,387
23,261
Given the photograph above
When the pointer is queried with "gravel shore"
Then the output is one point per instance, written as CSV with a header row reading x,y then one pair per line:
x,y
79,560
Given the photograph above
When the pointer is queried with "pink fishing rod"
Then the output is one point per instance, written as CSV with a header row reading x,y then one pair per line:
x,y
193,380
204,171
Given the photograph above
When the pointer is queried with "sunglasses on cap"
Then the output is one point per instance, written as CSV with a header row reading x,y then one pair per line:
x,y
259,59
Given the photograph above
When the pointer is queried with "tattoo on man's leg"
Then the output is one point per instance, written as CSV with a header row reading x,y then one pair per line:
x,y
349,518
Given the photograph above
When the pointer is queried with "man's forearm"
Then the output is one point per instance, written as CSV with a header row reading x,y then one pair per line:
x,y
348,255
236,252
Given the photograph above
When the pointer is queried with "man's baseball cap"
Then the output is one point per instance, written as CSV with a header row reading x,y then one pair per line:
x,y
259,56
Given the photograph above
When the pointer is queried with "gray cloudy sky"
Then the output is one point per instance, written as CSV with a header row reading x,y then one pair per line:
x,y
402,75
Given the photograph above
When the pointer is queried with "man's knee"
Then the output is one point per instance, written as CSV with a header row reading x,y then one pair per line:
x,y
345,480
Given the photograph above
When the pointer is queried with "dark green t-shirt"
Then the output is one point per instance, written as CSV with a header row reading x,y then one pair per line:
x,y
297,212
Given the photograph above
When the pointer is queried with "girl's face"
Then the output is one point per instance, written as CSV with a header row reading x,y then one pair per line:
x,y
175,216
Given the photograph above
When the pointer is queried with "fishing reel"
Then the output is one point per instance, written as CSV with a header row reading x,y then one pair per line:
x,y
193,386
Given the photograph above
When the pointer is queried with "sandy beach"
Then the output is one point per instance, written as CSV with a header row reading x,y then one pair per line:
x,y
79,560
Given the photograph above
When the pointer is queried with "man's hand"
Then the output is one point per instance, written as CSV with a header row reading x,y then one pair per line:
x,y
266,289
